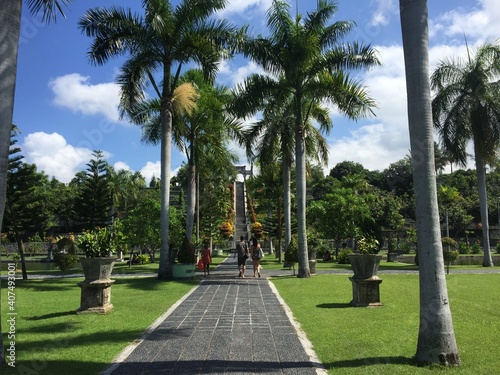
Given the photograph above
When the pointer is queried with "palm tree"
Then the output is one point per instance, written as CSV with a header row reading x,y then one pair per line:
x,y
273,137
436,337
198,133
465,108
304,59
10,31
163,42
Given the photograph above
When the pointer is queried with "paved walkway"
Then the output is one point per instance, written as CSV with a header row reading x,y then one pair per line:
x,y
226,325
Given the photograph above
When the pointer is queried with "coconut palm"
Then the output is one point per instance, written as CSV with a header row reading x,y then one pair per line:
x,y
198,133
467,107
159,44
273,137
10,31
305,59
436,337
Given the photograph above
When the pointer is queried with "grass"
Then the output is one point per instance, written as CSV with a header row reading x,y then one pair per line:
x,y
52,339
383,340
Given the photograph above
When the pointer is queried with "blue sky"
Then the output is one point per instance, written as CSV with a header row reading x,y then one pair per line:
x,y
65,107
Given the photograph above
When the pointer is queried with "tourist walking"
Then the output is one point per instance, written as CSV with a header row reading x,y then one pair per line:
x,y
242,253
206,257
257,254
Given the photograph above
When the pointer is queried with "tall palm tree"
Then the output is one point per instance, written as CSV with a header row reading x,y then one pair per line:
x,y
199,133
159,44
273,137
436,337
305,59
10,31
467,107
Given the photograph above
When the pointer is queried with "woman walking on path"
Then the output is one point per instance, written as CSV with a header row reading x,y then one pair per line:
x,y
256,252
206,257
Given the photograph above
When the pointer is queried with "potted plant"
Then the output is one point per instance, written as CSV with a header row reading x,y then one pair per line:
x,y
98,245
365,282
186,258
365,261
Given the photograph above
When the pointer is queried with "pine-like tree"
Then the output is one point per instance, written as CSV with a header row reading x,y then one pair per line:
x,y
94,198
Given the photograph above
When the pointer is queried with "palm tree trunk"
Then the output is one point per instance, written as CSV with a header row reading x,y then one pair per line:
x,y
483,204
436,337
190,201
165,268
300,150
287,201
10,19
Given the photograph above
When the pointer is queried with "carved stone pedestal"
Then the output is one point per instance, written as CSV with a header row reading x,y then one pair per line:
x,y
95,297
366,292
96,288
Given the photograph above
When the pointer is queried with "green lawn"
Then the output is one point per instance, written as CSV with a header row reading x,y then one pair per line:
x,y
383,340
52,339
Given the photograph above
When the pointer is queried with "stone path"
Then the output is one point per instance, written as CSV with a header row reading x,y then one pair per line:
x,y
226,325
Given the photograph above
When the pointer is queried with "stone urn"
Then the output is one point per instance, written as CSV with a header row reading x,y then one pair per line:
x,y
96,288
365,282
365,266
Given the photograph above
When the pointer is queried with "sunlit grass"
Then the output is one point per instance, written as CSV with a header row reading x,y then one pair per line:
x,y
382,340
52,339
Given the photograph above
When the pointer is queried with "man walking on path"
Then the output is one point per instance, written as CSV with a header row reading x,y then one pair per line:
x,y
242,253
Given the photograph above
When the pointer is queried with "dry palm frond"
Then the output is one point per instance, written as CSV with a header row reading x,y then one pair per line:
x,y
184,99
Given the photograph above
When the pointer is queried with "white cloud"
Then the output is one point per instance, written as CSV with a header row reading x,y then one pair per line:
x,y
246,9
74,92
480,21
121,166
386,10
54,156
151,169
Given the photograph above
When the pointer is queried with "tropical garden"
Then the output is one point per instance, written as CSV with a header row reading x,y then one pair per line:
x,y
168,88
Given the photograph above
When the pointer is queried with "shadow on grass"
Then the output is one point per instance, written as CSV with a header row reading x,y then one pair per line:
x,y
372,361
53,315
149,283
84,341
334,305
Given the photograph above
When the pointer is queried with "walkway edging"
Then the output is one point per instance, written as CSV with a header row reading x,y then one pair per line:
x,y
134,344
307,345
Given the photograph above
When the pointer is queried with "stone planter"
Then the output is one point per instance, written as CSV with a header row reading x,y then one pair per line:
x,y
392,257
365,266
97,268
96,288
365,282
183,271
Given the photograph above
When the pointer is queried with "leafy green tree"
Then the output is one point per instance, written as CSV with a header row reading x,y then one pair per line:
x,y
26,208
436,337
347,168
466,108
94,196
164,40
340,215
142,225
306,61
62,200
